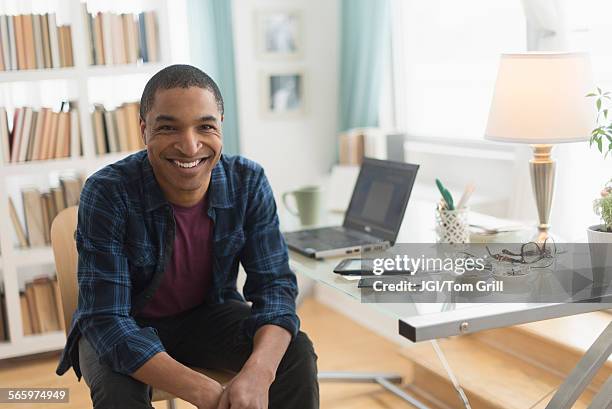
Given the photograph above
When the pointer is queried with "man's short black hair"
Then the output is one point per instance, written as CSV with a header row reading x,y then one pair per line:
x,y
178,76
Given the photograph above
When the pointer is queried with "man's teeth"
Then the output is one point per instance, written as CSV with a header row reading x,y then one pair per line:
x,y
187,165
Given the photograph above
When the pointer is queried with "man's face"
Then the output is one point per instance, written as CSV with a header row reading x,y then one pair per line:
x,y
182,132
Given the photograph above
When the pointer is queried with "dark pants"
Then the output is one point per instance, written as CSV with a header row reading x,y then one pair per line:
x,y
206,337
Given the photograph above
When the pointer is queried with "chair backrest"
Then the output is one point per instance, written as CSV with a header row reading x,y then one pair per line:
x,y
66,259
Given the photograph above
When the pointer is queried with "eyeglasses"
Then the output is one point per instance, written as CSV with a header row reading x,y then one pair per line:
x,y
530,253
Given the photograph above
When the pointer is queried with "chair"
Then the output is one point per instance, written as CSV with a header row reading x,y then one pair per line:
x,y
65,253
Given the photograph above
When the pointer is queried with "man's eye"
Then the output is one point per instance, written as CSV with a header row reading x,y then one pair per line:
x,y
165,128
206,127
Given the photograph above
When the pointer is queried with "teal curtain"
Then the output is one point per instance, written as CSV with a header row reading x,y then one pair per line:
x,y
365,38
212,50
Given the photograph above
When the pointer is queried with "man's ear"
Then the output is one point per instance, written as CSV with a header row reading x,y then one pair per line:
x,y
142,131
222,116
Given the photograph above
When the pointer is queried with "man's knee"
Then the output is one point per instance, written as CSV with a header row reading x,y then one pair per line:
x,y
109,389
300,360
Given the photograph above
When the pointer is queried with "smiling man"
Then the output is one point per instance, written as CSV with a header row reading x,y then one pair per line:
x,y
160,237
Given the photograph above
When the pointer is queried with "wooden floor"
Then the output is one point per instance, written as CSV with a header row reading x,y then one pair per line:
x,y
360,349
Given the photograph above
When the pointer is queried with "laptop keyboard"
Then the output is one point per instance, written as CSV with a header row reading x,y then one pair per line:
x,y
334,237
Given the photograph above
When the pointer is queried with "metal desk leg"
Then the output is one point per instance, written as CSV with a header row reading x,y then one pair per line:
x,y
583,373
603,400
388,381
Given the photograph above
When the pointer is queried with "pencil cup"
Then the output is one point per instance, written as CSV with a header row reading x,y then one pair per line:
x,y
452,226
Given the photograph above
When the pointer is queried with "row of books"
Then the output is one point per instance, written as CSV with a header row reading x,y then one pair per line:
x,y
31,41
122,38
117,130
41,306
40,208
40,135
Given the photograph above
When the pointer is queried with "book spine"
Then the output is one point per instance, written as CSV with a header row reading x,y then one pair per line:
x,y
6,42
10,23
107,36
38,41
53,41
142,38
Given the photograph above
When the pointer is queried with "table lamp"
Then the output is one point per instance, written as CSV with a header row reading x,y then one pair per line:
x,y
540,99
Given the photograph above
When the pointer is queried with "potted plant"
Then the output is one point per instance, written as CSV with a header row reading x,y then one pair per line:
x,y
601,137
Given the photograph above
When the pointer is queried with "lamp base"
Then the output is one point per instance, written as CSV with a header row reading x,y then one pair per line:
x,y
542,169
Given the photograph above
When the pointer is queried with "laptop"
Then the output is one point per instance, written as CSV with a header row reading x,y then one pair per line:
x,y
373,218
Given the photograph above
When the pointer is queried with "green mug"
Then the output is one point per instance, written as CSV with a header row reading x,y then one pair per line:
x,y
308,201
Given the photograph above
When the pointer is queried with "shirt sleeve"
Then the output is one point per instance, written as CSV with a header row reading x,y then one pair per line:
x,y
270,285
104,282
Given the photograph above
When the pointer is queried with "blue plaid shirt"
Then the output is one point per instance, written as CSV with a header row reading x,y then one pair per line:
x,y
125,237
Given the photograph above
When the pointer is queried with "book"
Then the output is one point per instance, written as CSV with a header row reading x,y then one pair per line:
x,y
5,152
42,125
45,217
98,39
28,36
51,137
27,140
151,36
98,128
68,46
25,134
38,41
107,35
19,42
58,198
122,129
111,128
131,38
10,23
53,41
31,301
46,46
16,133
62,147
21,236
62,46
6,43
88,24
142,38
44,299
36,134
26,320
132,115
58,302
32,206
72,190
118,39
49,213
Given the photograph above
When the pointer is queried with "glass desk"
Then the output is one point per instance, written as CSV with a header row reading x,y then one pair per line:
x,y
433,320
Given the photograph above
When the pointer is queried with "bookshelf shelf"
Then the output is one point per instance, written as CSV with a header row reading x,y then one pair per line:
x,y
123,69
33,256
32,344
36,75
79,78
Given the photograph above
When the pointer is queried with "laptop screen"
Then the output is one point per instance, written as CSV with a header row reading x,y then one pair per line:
x,y
380,197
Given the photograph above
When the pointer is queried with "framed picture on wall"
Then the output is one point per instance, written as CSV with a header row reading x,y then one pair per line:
x,y
282,94
279,34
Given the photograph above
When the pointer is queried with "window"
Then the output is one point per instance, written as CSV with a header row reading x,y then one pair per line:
x,y
445,57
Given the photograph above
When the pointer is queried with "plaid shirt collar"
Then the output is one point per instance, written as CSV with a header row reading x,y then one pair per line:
x,y
219,196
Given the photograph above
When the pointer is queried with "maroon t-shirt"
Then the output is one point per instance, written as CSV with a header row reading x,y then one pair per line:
x,y
189,274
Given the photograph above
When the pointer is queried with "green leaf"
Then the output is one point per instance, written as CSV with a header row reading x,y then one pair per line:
x,y
605,111
590,94
599,145
599,90
598,103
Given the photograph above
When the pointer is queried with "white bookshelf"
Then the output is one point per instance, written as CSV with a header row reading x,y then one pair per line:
x,y
12,258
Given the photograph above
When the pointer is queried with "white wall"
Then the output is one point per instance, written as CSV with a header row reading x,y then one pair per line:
x,y
300,150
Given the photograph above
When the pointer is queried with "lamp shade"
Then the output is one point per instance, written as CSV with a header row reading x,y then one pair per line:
x,y
540,98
